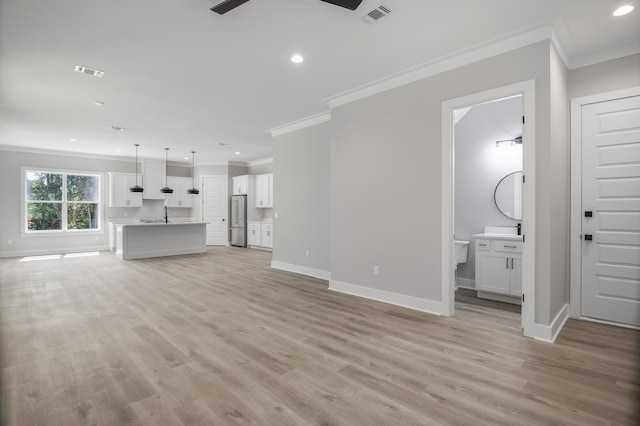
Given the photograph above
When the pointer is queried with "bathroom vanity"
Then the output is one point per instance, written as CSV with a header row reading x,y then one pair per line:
x,y
499,266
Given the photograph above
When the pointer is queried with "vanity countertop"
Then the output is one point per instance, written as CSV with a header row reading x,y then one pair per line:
x,y
493,236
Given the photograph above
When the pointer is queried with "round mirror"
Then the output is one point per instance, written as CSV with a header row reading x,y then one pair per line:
x,y
508,195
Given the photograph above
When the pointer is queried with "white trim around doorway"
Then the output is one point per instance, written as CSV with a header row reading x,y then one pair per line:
x,y
527,90
575,274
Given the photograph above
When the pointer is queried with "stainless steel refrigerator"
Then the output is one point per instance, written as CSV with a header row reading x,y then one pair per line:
x,y
239,220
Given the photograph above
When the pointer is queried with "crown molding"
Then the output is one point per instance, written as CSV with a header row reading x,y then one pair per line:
x,y
253,163
513,41
312,120
605,55
27,150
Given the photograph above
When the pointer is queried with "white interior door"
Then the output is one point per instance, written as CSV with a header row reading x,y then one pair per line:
x,y
215,199
611,211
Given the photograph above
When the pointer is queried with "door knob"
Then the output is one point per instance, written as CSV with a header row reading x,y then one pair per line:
x,y
588,213
588,237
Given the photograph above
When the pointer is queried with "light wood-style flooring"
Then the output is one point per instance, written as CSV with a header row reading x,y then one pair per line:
x,y
221,338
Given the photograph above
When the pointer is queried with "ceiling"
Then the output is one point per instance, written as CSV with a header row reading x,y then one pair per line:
x,y
180,76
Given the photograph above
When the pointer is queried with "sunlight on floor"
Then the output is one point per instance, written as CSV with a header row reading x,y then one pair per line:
x,y
59,256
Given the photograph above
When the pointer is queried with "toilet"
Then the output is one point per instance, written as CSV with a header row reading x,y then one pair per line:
x,y
460,255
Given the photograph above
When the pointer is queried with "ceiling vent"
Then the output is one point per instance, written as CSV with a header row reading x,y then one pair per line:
x,y
90,71
376,14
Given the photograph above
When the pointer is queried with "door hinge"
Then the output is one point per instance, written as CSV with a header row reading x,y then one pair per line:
x,y
523,119
522,238
523,297
522,178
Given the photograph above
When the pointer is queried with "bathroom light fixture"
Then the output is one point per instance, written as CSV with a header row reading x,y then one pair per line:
x,y
623,10
166,189
136,188
510,142
193,190
297,59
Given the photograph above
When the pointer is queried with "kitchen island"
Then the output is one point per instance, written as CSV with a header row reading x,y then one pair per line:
x,y
142,240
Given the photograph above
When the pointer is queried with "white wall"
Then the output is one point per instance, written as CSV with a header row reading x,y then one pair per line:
x,y
301,198
385,177
479,166
560,187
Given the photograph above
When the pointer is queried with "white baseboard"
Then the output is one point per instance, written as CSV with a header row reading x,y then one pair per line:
x,y
549,333
62,250
411,302
304,270
466,283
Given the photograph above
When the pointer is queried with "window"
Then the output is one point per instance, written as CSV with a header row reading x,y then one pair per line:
x,y
60,201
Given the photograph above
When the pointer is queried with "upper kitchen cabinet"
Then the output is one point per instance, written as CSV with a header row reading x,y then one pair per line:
x,y
119,193
243,185
154,173
179,197
264,191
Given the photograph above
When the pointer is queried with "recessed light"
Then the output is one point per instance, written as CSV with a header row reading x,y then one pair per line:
x,y
237,153
117,150
73,140
186,158
297,59
119,129
98,103
623,10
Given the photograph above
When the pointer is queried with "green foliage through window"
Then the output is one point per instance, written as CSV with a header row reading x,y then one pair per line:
x,y
62,201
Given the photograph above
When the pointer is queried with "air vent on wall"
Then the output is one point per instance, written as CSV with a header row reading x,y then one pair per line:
x,y
378,13
90,71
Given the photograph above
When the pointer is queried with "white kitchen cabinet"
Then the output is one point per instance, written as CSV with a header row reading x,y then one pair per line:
x,y
179,197
264,190
499,268
260,235
119,193
267,235
254,234
243,185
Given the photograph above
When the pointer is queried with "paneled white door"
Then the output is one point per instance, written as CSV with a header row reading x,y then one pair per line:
x,y
215,207
611,211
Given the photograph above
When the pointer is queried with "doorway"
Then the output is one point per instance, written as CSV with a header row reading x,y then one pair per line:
x,y
487,201
215,207
526,91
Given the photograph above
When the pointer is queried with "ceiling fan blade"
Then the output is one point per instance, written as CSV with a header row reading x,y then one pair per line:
x,y
227,5
349,4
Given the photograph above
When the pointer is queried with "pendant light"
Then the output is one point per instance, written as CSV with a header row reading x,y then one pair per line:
x,y
166,189
136,188
193,190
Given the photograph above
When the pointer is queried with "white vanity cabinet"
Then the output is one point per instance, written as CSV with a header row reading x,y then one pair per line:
x,y
499,267
119,193
179,197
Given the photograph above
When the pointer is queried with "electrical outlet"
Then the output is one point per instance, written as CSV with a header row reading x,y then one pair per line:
x,y
276,215
306,253
376,270
9,241
126,214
